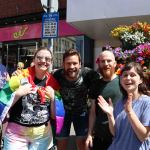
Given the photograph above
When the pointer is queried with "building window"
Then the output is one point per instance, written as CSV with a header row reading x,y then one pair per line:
x,y
63,44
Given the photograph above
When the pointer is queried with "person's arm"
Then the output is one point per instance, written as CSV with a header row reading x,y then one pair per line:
x,y
7,77
108,109
111,121
92,118
50,93
140,130
53,114
16,72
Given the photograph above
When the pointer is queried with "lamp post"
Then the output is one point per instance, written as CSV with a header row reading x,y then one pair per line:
x,y
50,40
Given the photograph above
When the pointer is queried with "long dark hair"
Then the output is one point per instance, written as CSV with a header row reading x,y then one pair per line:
x,y
142,88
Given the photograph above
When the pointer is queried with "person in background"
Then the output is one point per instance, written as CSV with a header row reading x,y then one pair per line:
x,y
109,87
4,76
20,65
29,125
75,82
129,121
32,64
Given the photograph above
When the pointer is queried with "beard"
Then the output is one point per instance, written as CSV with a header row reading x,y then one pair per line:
x,y
71,74
107,73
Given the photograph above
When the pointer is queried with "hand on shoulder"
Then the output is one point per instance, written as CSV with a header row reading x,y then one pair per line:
x,y
16,73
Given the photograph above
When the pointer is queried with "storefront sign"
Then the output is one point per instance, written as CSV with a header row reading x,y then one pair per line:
x,y
21,32
50,25
28,31
34,31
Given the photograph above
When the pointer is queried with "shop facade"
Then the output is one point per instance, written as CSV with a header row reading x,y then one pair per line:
x,y
18,43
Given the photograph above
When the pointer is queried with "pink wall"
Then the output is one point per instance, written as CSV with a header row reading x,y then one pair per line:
x,y
33,31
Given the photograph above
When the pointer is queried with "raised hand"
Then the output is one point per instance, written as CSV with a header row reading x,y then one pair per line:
x,y
128,104
16,73
106,107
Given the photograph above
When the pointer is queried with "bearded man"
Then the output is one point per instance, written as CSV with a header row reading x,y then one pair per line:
x,y
75,82
109,87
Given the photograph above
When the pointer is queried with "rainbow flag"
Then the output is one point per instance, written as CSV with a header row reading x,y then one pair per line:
x,y
8,92
60,112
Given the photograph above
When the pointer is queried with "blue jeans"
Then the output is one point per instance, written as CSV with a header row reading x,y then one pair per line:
x,y
80,123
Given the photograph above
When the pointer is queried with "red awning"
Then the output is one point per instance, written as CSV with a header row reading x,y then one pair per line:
x,y
34,31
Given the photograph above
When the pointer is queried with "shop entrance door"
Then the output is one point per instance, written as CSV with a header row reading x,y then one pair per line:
x,y
10,57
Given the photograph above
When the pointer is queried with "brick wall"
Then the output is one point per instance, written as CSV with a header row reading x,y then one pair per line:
x,y
11,8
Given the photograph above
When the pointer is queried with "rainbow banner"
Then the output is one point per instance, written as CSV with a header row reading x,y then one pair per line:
x,y
8,92
7,96
60,112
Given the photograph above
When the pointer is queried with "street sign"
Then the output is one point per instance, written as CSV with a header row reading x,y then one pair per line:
x,y
50,23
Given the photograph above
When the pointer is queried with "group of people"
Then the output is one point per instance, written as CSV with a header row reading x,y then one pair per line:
x,y
107,111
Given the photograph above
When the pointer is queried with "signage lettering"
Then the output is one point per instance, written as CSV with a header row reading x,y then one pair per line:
x,y
20,33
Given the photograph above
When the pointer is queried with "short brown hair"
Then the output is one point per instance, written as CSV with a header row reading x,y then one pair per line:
x,y
71,52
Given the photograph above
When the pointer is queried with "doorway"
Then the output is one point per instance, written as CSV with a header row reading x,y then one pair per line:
x,y
18,52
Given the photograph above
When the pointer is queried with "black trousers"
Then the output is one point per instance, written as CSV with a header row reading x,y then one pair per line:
x,y
100,144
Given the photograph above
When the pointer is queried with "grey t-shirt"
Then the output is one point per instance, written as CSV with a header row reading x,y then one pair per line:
x,y
125,138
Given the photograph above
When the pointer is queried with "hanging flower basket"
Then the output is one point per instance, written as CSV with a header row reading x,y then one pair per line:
x,y
133,35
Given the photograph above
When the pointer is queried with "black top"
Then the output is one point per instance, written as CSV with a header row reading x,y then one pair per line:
x,y
75,93
29,111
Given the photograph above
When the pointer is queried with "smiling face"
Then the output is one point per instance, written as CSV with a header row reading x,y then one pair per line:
x,y
71,65
130,80
42,60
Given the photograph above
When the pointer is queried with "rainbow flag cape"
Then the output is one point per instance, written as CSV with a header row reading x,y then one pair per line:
x,y
8,92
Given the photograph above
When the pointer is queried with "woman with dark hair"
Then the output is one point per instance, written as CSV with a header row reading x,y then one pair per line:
x,y
129,121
